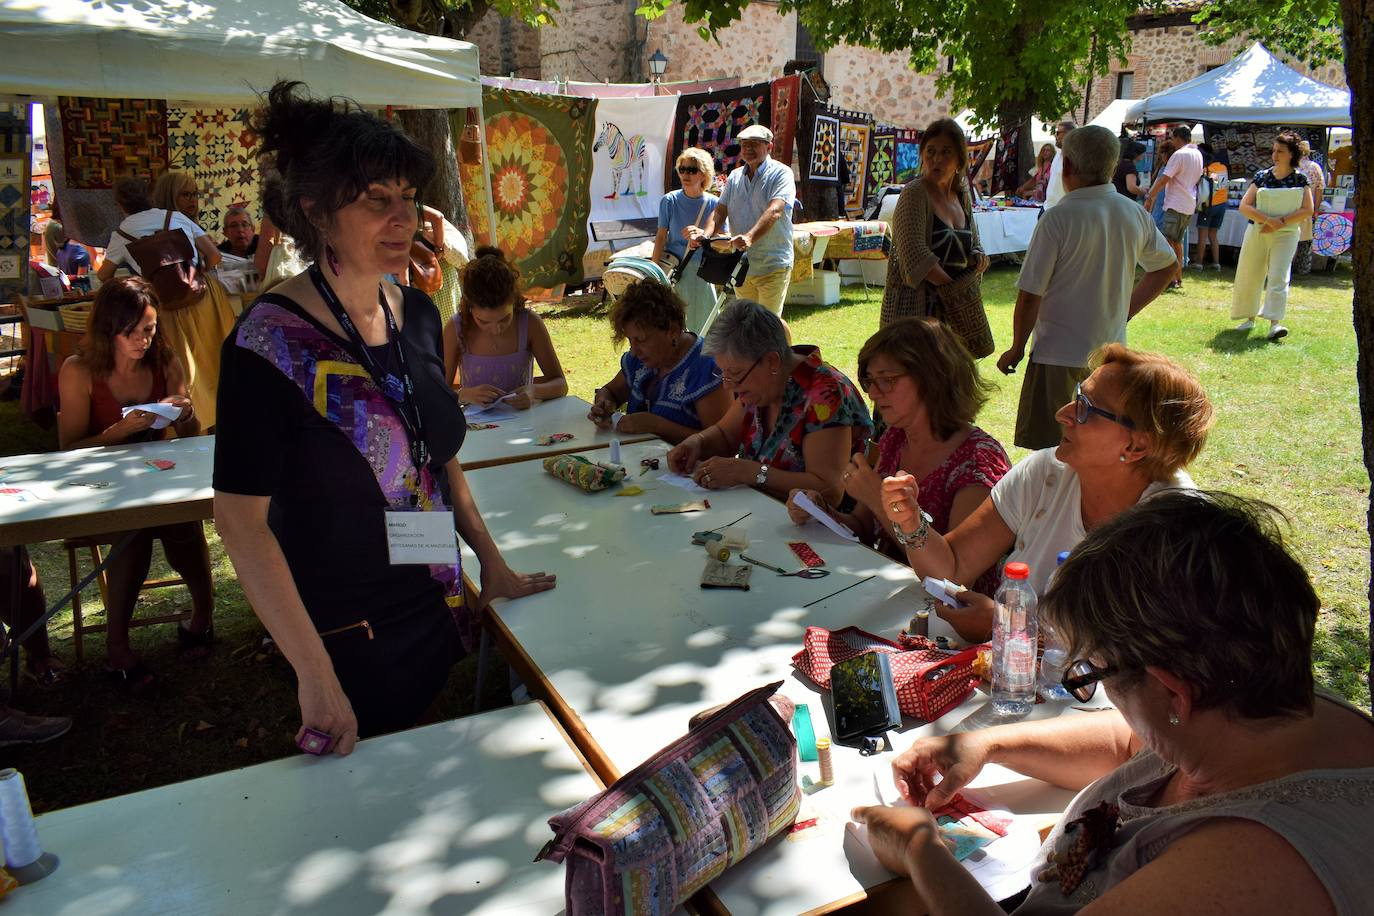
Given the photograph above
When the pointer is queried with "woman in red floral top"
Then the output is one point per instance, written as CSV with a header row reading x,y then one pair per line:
x,y
795,420
926,385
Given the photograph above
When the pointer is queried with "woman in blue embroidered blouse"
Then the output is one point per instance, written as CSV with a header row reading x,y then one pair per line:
x,y
668,385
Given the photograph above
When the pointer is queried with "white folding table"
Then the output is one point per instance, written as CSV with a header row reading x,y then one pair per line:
x,y
516,439
441,819
628,647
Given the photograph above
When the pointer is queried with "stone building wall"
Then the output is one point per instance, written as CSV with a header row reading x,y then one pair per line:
x,y
491,35
883,85
594,41
755,48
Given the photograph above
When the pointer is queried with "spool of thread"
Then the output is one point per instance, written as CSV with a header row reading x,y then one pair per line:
x,y
827,765
615,451
920,623
18,834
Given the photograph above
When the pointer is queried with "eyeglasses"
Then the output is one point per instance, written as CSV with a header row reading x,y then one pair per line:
x,y
735,381
1080,679
688,170
884,383
1084,410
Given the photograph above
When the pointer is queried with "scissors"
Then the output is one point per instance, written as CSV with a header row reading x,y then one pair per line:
x,y
809,573
645,464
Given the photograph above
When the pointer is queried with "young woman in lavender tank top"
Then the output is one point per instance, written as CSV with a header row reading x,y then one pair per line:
x,y
492,344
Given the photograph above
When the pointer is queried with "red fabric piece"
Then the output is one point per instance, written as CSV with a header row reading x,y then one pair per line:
x,y
784,100
960,807
911,660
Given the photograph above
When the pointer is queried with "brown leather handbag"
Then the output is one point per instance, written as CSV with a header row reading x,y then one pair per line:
x,y
167,259
425,274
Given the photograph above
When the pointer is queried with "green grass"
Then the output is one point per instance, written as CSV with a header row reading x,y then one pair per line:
x,y
1288,431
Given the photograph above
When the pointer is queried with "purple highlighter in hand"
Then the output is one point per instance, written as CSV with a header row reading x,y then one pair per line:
x,y
314,741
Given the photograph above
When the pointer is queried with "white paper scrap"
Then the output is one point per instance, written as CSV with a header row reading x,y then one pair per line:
x,y
497,411
166,413
682,480
820,515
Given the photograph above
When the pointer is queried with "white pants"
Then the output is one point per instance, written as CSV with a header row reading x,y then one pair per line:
x,y
1266,258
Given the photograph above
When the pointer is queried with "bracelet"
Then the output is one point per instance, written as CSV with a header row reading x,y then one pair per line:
x,y
917,539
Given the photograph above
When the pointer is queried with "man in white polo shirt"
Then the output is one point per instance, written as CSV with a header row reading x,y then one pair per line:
x,y
1054,187
1075,288
758,201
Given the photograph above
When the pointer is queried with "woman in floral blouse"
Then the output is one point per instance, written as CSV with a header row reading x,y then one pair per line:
x,y
795,420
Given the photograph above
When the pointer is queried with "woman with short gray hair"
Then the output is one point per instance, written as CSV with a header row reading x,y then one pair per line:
x,y
795,419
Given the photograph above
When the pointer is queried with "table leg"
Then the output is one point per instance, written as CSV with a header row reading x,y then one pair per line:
x,y
483,651
33,628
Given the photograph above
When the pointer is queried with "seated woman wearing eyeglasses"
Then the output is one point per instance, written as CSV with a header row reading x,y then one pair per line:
x,y
1221,783
668,385
922,378
795,420
1133,426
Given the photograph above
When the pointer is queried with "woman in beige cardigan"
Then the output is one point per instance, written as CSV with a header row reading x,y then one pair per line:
x,y
937,261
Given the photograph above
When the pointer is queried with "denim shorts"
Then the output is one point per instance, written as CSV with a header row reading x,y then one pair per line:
x,y
1212,218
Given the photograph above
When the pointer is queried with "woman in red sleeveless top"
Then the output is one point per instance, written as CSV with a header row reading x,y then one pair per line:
x,y
123,362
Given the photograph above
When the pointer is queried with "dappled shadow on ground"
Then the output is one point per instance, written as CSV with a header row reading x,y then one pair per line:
x,y
1232,341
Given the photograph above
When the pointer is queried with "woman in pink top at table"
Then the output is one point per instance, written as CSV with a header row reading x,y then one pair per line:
x,y
491,345
921,377
123,362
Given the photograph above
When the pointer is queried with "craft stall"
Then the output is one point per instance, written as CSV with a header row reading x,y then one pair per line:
x,y
1242,107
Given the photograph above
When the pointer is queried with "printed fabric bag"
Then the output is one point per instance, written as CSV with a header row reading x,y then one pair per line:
x,y
583,474
167,259
961,307
675,823
929,681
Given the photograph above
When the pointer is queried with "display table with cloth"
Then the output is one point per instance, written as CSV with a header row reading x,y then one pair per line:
x,y
629,647
1006,230
445,818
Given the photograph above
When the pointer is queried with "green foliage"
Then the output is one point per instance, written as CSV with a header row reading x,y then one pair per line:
x,y
1307,30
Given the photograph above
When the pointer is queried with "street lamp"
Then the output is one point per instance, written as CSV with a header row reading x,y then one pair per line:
x,y
658,64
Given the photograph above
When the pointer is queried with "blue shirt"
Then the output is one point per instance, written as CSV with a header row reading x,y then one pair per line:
x,y
746,198
677,211
675,395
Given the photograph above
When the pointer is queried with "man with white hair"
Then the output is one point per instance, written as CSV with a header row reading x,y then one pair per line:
x,y
1075,288
758,200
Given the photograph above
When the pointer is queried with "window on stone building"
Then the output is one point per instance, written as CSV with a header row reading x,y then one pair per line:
x,y
1125,84
806,49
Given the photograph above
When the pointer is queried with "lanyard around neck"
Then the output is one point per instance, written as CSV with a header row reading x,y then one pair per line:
x,y
399,391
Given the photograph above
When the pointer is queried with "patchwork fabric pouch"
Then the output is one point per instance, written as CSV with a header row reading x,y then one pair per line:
x,y
675,823
583,474
929,681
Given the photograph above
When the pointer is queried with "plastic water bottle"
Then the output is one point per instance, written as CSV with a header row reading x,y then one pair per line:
x,y
1055,656
1013,643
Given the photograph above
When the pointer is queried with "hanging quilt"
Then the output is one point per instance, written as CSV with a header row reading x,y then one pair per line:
x,y
712,120
216,146
977,155
825,149
784,95
1248,147
466,126
14,218
89,214
881,159
1004,168
629,157
907,155
105,139
14,129
855,131
540,166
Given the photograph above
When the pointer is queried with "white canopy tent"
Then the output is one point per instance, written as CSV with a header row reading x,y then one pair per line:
x,y
1114,115
1254,88
975,130
222,53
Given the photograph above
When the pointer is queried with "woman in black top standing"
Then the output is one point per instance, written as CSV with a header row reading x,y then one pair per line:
x,y
1126,179
338,433
1276,203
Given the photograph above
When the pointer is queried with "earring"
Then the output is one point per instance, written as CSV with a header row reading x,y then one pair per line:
x,y
332,260
1122,458
1173,718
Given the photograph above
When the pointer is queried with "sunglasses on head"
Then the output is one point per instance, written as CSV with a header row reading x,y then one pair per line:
x,y
1080,679
687,170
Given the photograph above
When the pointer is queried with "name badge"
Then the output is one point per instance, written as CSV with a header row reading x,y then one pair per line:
x,y
421,538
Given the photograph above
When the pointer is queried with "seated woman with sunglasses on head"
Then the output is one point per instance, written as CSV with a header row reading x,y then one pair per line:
x,y
1132,427
1221,783
795,420
922,378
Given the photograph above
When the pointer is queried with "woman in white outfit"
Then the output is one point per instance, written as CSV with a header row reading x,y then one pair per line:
x,y
1277,203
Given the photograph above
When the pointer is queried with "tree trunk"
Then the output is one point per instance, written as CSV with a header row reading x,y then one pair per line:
x,y
430,128
1017,113
1358,19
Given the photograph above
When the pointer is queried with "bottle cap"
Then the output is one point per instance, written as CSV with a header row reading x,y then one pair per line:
x,y
1017,571
1063,555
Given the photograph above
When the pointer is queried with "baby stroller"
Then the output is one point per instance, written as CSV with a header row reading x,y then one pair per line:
x,y
623,270
722,266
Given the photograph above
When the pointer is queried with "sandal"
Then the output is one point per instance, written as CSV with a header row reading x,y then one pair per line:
x,y
195,646
52,674
135,680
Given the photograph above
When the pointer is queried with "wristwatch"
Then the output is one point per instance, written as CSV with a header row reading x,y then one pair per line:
x,y
917,539
761,477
